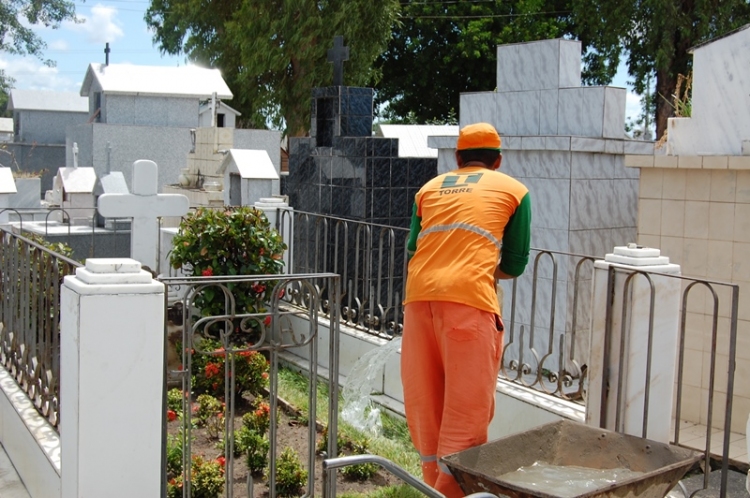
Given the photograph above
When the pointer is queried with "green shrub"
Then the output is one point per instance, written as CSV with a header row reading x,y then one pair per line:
x,y
207,408
174,400
255,446
363,471
291,477
174,456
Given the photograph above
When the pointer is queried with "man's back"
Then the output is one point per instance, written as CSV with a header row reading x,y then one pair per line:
x,y
464,223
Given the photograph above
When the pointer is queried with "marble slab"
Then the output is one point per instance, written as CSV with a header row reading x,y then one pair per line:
x,y
476,107
614,112
569,111
539,65
548,105
592,114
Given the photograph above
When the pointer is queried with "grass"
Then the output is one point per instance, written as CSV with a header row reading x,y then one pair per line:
x,y
394,444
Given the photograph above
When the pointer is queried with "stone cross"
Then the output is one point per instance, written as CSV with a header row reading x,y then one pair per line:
x,y
145,206
338,54
75,154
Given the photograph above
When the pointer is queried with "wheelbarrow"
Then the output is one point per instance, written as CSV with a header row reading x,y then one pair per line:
x,y
480,470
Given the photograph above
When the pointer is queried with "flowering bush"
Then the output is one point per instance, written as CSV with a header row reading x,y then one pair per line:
x,y
206,480
230,241
208,364
259,418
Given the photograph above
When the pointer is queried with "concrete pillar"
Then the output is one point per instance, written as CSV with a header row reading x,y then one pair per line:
x,y
620,382
280,216
112,374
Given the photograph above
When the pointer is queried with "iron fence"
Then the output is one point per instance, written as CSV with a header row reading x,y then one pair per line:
x,y
292,320
30,281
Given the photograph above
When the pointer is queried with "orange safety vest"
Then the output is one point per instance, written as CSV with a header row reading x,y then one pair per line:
x,y
463,217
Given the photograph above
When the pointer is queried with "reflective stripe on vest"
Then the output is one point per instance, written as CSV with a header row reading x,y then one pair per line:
x,y
444,468
428,458
463,226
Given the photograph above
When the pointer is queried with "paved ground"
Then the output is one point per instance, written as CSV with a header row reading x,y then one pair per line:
x,y
735,486
10,484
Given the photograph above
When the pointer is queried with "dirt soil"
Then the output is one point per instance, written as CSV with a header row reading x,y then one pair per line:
x,y
290,433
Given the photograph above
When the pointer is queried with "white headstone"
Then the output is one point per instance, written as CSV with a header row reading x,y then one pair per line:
x,y
145,206
7,189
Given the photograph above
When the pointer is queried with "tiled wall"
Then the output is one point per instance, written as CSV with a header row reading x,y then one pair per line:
x,y
696,209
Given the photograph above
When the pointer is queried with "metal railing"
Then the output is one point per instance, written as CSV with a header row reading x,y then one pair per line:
x,y
616,362
294,310
372,260
30,281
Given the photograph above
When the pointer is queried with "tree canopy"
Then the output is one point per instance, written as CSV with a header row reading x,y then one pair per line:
x,y
273,52
655,36
441,49
16,35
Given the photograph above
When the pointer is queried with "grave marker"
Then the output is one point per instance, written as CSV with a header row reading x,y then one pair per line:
x,y
144,205
338,54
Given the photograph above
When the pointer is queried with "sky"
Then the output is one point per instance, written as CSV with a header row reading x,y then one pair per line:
x,y
120,22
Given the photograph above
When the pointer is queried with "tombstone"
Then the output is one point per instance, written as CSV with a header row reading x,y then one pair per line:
x,y
73,191
248,176
343,170
145,206
112,182
7,189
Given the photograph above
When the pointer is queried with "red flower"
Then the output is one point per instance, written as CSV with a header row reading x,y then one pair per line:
x,y
261,252
221,461
264,375
212,369
267,321
215,386
207,272
281,293
171,415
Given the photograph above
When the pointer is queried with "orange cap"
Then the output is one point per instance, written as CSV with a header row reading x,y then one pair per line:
x,y
478,136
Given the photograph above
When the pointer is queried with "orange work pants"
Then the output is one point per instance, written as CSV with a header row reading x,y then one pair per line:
x,y
450,356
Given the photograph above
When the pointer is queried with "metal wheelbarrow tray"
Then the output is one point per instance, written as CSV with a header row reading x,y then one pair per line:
x,y
571,443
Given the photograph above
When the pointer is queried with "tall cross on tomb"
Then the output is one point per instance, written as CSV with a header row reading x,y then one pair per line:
x,y
145,206
338,54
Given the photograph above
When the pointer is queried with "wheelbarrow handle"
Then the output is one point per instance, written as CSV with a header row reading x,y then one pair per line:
x,y
330,464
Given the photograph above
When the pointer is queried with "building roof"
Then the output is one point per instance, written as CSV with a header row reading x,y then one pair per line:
x,y
80,180
43,100
7,183
222,106
6,125
163,81
412,139
250,164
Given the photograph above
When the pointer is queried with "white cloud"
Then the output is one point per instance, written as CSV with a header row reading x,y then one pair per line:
x,y
100,27
31,74
58,45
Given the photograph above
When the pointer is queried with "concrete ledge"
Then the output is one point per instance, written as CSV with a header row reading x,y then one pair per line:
x,y
518,408
29,440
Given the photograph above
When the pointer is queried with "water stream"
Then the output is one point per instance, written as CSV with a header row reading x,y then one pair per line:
x,y
566,481
357,408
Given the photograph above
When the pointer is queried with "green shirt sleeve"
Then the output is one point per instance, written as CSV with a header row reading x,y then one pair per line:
x,y
416,226
517,239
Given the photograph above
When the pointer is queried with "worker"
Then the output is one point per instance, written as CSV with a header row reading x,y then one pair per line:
x,y
453,332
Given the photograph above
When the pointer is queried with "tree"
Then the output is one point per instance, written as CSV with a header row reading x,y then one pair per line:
x,y
16,35
273,52
655,36
441,49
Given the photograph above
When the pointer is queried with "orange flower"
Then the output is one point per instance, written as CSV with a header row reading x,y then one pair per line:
x,y
221,461
212,369
264,375
171,415
267,321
